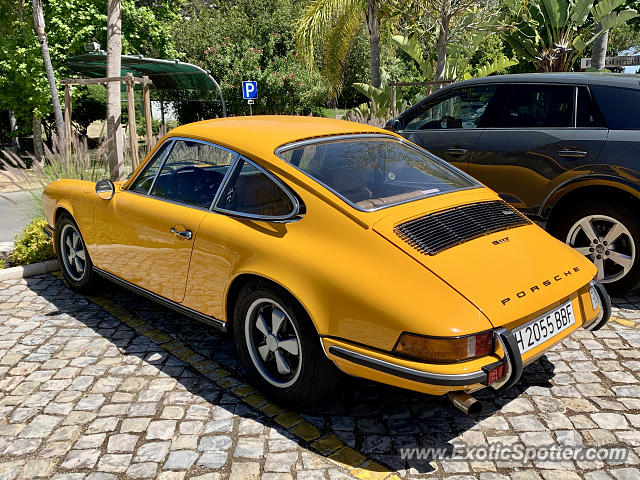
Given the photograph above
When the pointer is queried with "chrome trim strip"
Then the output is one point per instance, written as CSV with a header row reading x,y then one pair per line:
x,y
214,322
48,230
164,160
225,180
378,136
409,373
279,218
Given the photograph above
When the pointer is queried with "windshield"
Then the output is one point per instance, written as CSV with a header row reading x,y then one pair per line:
x,y
372,173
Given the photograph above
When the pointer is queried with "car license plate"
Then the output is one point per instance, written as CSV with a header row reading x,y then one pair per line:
x,y
538,331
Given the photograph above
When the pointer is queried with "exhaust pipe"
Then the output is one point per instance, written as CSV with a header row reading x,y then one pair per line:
x,y
465,403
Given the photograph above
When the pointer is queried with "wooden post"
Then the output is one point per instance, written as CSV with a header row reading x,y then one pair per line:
x,y
131,112
67,120
393,101
147,112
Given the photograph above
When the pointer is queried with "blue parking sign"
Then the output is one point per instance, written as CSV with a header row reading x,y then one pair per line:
x,y
249,90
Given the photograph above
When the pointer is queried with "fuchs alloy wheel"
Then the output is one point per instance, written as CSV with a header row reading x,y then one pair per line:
x,y
607,234
273,343
279,347
73,256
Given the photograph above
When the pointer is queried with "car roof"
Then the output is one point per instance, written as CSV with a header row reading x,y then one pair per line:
x,y
582,78
260,135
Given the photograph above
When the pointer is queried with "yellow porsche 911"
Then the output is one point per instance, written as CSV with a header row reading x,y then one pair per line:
x,y
323,243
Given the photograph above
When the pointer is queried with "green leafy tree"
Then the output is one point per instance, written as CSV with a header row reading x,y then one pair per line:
x,y
328,29
70,24
554,34
248,40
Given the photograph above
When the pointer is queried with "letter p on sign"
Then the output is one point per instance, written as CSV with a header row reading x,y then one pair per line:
x,y
249,90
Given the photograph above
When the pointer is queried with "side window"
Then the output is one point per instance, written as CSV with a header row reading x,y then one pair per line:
x,y
620,106
143,182
192,173
545,106
462,108
587,112
251,191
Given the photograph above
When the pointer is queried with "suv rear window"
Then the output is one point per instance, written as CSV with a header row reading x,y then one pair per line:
x,y
542,106
620,106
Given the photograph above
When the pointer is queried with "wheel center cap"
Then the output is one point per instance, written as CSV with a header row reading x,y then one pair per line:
x,y
272,343
600,248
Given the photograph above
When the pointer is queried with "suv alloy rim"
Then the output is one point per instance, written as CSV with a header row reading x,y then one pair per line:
x,y
74,255
273,342
607,243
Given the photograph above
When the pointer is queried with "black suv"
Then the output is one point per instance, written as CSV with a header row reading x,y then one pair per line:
x,y
564,148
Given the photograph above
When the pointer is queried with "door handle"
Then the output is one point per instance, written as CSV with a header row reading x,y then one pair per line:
x,y
186,234
572,153
456,151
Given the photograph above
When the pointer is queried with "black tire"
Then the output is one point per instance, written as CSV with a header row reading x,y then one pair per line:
x,y
77,272
312,375
620,282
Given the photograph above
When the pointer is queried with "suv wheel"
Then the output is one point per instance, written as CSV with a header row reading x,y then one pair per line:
x,y
279,347
607,234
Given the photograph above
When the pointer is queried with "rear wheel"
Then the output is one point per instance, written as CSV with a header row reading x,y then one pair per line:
x,y
607,234
73,257
280,348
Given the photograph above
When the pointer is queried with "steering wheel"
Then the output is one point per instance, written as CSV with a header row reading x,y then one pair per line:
x,y
450,122
199,182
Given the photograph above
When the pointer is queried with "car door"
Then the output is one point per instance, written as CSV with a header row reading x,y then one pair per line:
x,y
146,232
545,135
449,125
240,230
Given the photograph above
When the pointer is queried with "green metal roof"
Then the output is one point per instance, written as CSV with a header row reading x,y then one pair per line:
x,y
165,74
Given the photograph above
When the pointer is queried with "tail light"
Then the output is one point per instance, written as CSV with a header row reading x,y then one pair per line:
x,y
444,349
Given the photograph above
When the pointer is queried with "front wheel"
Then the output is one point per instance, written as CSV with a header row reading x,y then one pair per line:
x,y
279,347
73,256
607,234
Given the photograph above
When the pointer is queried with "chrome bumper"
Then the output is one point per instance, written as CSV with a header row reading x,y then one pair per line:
x,y
512,361
605,308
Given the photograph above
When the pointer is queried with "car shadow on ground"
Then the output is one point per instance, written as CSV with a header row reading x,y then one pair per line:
x,y
376,420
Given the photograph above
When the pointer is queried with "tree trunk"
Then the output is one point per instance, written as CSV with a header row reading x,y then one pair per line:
x,y
373,24
115,140
15,141
443,40
38,149
599,51
39,25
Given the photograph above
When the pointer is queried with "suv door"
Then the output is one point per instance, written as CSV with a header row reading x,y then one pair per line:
x,y
545,135
449,125
147,231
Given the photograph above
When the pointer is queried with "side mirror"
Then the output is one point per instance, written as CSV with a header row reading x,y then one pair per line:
x,y
105,189
395,125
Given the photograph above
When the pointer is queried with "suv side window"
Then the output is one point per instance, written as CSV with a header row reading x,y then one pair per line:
x,y
192,173
541,106
620,106
461,108
587,114
250,191
143,182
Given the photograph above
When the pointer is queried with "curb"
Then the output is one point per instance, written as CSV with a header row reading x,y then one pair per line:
x,y
29,270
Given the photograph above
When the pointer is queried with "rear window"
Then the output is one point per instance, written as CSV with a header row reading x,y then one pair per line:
x,y
619,106
373,173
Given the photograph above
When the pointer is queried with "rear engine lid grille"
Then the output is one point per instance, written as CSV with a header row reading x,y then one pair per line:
x,y
438,231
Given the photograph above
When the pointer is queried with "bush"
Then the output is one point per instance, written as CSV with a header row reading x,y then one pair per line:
x,y
32,245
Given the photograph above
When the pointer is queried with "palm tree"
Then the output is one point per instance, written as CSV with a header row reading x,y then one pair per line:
x,y
553,34
39,25
114,107
329,27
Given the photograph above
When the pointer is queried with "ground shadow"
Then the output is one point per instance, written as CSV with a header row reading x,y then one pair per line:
x,y
376,420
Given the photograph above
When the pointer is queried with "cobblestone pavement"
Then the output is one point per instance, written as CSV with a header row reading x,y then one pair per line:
x,y
117,387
